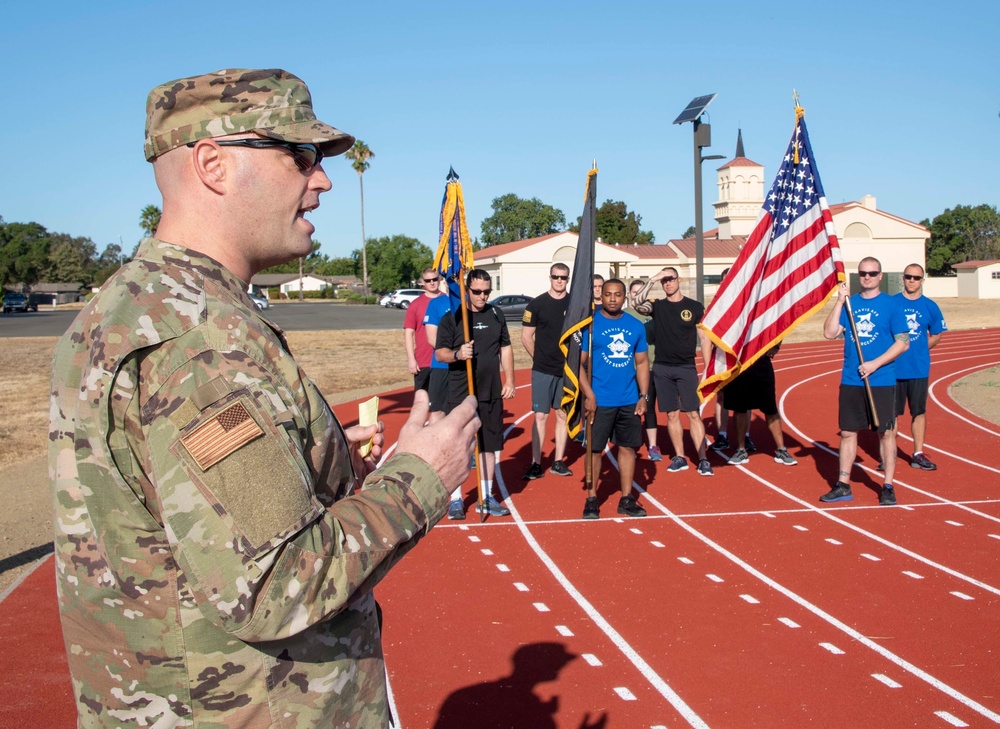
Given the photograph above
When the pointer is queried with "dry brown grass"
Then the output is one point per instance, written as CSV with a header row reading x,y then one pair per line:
x,y
345,365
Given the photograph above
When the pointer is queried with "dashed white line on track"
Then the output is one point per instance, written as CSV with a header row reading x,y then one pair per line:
x,y
831,540
487,552
881,677
953,523
750,599
658,544
914,575
541,607
800,527
624,693
995,536
714,578
635,531
950,718
872,557
564,631
473,538
789,622
768,514
521,587
685,560
832,648
962,595
464,527
503,568
591,659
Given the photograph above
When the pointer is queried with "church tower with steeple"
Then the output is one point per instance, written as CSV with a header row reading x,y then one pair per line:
x,y
741,194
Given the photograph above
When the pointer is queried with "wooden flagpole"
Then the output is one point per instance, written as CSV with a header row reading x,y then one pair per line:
x,y
873,420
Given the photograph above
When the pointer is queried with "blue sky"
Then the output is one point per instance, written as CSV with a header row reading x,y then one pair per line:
x,y
902,102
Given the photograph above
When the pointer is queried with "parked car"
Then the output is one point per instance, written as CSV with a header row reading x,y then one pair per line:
x,y
385,300
260,302
401,298
512,305
17,302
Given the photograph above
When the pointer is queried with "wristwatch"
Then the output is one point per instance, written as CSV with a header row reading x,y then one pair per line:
x,y
645,397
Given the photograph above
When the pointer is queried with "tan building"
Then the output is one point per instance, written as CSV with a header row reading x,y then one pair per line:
x,y
978,279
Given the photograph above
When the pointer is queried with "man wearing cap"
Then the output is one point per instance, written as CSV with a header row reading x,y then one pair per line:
x,y
217,532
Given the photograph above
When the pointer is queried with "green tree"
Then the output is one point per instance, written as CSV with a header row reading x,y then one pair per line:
x,y
70,259
313,263
359,155
615,223
395,261
24,252
689,233
149,220
964,233
515,218
339,267
110,260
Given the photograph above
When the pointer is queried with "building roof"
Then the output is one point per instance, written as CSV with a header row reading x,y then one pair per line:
x,y
653,250
714,247
740,162
856,205
972,265
56,288
504,248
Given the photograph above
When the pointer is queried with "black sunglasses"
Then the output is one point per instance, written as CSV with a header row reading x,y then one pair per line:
x,y
431,280
911,277
869,274
668,279
559,278
306,156
481,292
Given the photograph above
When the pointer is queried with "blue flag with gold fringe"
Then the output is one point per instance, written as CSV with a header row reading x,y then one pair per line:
x,y
454,253
579,310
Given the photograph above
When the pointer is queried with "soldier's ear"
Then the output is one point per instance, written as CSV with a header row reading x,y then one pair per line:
x,y
212,166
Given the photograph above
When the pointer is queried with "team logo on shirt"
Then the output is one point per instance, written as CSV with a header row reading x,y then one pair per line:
x,y
686,315
618,351
865,326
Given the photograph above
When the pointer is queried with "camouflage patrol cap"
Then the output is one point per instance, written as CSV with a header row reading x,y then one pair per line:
x,y
270,102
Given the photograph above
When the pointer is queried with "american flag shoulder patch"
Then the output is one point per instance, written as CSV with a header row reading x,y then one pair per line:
x,y
226,432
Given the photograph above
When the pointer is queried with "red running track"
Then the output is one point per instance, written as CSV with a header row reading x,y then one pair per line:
x,y
739,601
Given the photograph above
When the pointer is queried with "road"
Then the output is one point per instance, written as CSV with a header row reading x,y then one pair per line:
x,y
309,316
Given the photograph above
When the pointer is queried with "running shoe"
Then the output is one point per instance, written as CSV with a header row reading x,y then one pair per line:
x,y
751,448
720,444
739,458
655,454
492,507
840,492
705,468
888,495
559,469
591,509
534,471
919,460
627,505
677,463
456,509
783,457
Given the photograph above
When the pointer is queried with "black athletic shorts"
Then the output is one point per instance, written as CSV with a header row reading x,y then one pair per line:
x,y
422,379
676,387
649,419
491,417
913,392
437,390
753,389
620,425
854,407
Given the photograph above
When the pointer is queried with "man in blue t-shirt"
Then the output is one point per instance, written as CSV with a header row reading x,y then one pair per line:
x,y
615,384
883,335
913,367
437,386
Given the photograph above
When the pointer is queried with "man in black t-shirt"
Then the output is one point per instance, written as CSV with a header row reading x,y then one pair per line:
x,y
542,325
675,323
490,351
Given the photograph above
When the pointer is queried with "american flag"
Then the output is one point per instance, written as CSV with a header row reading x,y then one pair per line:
x,y
788,268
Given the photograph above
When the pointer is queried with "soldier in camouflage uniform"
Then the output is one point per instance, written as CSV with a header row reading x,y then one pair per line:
x,y
216,548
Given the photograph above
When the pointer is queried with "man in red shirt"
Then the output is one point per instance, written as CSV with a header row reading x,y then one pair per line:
x,y
418,349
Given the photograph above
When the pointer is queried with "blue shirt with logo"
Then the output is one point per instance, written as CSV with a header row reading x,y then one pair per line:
x,y
436,310
612,369
878,320
923,318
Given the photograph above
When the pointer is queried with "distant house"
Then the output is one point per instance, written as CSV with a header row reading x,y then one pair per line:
x,y
978,279
286,285
57,293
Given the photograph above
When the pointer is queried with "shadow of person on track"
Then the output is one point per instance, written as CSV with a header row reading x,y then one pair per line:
x,y
510,701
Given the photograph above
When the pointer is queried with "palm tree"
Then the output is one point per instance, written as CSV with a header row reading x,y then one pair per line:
x,y
359,155
149,220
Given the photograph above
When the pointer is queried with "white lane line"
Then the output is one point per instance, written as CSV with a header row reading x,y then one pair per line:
x,y
521,587
768,514
541,607
953,523
390,698
624,693
635,531
914,575
881,677
685,560
831,540
832,648
502,567
905,507
564,631
473,538
750,599
464,527
800,527
659,545
591,659
647,671
995,536
872,557
962,595
714,578
487,552
950,718
964,419
789,622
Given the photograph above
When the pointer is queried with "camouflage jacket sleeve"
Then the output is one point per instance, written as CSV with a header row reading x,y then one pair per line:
x,y
244,464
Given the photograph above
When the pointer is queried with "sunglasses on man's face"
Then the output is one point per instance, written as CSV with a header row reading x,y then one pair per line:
x,y
668,279
432,280
559,278
912,277
306,156
869,274
480,292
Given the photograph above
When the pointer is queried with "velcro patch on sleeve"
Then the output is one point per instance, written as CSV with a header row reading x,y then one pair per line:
x,y
223,434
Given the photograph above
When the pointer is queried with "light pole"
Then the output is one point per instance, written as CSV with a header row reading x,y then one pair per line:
x,y
702,138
